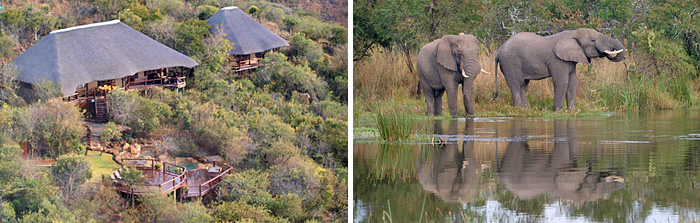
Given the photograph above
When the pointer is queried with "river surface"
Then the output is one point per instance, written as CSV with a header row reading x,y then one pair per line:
x,y
630,167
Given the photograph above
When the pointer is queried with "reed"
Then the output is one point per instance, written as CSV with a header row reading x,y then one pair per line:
x,y
394,126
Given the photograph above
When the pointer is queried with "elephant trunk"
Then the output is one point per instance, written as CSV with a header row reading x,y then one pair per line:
x,y
613,49
470,68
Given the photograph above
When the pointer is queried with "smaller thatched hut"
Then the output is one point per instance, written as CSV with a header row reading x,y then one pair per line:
x,y
249,38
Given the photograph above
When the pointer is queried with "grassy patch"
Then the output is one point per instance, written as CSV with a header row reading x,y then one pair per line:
x,y
394,126
101,164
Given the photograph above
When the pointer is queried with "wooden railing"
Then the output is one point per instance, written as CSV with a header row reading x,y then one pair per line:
x,y
178,180
182,176
213,182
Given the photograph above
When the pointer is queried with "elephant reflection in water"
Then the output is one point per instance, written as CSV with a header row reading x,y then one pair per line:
x,y
450,173
529,174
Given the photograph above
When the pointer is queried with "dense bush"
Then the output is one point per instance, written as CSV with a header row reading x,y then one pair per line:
x,y
142,115
70,172
240,211
267,129
284,77
249,186
110,132
51,128
297,175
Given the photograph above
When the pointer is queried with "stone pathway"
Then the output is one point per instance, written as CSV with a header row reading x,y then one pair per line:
x,y
96,130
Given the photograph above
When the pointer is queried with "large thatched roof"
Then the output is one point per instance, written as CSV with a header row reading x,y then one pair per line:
x,y
247,35
94,52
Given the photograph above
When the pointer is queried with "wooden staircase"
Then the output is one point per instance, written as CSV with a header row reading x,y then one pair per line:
x,y
101,110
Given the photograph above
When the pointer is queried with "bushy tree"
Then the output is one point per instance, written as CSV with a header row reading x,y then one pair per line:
x,y
51,128
249,186
240,211
189,36
284,77
267,129
70,172
195,212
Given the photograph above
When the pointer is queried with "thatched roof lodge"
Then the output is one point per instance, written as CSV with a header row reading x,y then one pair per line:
x,y
249,38
85,60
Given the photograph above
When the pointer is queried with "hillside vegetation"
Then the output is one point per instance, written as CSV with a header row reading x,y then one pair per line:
x,y
290,157
660,71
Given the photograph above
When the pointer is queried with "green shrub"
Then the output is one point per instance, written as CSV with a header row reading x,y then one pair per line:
x,y
242,212
70,172
206,11
195,212
110,132
297,175
280,150
7,46
284,77
253,9
249,186
131,19
52,128
267,129
289,206
141,114
304,49
189,36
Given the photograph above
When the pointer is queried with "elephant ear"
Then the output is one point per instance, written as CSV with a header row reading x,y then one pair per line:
x,y
444,54
568,49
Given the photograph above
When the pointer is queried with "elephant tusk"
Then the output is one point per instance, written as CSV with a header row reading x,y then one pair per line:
x,y
613,53
464,74
482,70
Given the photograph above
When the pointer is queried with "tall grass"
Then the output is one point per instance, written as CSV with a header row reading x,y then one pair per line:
x,y
394,126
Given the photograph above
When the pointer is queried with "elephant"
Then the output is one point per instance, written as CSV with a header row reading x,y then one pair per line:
x,y
450,173
527,56
442,65
529,174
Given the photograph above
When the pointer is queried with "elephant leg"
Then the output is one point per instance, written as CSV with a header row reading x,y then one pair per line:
x,y
571,90
438,101
429,94
451,88
561,83
468,96
523,93
514,87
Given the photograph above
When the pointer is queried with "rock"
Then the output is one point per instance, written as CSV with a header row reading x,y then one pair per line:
x,y
135,150
125,147
211,159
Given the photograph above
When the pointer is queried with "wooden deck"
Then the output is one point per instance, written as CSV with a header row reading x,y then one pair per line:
x,y
192,183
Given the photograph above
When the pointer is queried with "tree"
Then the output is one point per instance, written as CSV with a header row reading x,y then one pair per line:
x,y
195,212
69,172
51,128
249,186
132,177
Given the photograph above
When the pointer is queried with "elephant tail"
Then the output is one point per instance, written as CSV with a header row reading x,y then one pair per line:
x,y
495,80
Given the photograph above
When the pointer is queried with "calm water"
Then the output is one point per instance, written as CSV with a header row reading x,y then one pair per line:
x,y
636,167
